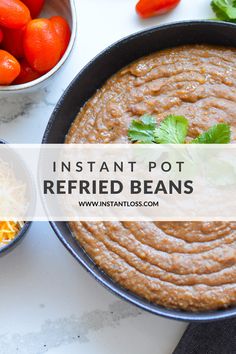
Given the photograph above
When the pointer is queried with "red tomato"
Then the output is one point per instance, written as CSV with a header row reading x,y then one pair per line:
x,y
42,46
13,14
27,74
13,41
148,8
35,6
1,35
9,68
63,31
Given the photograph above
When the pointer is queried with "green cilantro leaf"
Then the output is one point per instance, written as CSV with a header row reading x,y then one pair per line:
x,y
172,130
143,130
225,10
218,134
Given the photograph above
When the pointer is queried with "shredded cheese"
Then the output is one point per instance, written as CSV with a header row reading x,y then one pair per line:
x,y
12,193
8,231
12,198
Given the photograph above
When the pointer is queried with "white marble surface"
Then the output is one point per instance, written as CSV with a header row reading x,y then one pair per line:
x,y
48,303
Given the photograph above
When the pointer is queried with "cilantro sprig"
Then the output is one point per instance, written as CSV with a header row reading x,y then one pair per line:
x,y
218,134
225,10
173,130
143,130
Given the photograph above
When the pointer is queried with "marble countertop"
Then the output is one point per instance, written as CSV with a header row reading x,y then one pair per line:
x,y
49,304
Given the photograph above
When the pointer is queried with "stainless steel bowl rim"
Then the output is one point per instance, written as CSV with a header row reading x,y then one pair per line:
x,y
57,67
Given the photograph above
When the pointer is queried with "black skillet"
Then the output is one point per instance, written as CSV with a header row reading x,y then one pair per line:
x,y
84,86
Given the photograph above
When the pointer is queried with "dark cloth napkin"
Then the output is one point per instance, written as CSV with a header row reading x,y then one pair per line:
x,y
209,338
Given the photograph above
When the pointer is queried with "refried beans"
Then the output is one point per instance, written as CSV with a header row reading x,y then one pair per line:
x,y
183,265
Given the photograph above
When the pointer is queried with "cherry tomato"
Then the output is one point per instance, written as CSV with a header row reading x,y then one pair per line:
x,y
27,74
35,6
42,46
148,8
9,68
63,31
13,14
13,41
1,35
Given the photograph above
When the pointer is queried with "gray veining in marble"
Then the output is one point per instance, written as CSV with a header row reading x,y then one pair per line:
x,y
62,331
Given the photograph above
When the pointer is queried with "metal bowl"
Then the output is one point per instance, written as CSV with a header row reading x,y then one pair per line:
x,y
21,234
85,85
67,9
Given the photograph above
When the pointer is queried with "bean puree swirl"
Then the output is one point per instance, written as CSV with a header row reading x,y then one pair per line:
x,y
182,265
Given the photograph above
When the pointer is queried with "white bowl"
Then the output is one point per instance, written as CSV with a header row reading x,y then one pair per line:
x,y
67,9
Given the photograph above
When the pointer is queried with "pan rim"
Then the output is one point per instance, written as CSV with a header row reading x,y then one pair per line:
x,y
107,282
